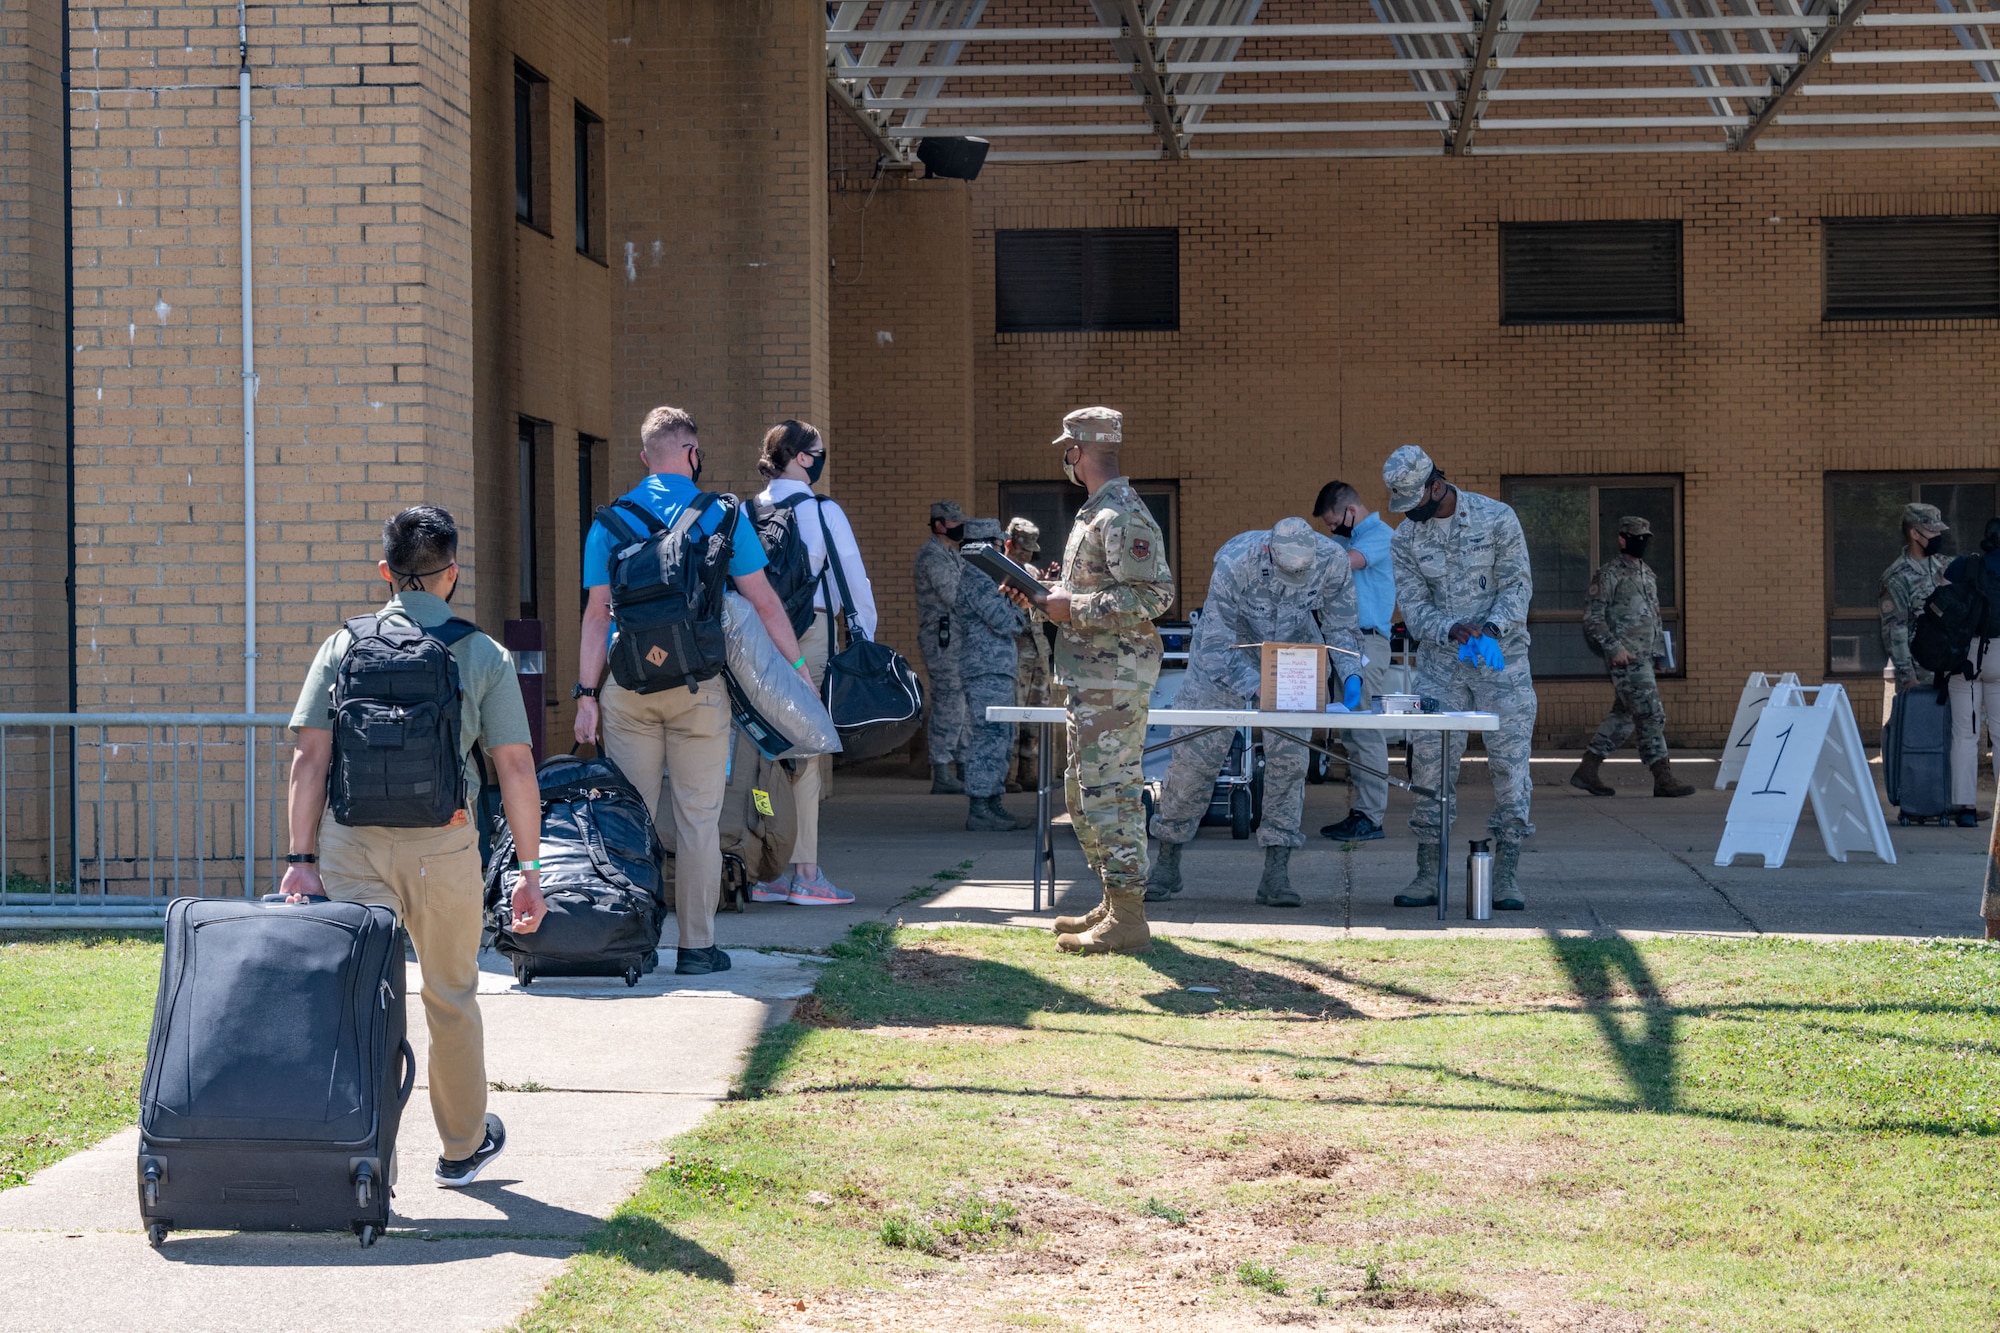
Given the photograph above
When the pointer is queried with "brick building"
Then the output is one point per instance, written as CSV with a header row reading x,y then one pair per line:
x,y
487,237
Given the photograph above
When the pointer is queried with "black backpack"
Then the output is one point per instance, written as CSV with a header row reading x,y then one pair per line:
x,y
788,561
666,593
395,712
1953,616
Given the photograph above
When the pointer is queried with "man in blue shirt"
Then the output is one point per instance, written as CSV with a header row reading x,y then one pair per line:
x,y
1366,539
681,732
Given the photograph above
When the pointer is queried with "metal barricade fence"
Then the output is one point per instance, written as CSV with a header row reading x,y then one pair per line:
x,y
108,815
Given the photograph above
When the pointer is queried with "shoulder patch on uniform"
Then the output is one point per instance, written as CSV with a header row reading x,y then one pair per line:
x,y
1141,549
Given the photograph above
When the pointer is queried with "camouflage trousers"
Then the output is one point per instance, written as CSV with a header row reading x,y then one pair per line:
x,y
1462,687
1192,771
1032,690
1107,731
1636,707
989,746
947,717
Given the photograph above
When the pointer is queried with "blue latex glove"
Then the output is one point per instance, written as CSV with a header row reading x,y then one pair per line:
x,y
1469,650
1350,692
1489,652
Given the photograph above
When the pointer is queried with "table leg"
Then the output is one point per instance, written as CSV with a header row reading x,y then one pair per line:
x,y
1447,775
1045,842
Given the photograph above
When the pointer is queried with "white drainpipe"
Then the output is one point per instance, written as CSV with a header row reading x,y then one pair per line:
x,y
249,455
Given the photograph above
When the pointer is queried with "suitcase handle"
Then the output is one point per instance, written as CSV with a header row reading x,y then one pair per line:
x,y
409,1072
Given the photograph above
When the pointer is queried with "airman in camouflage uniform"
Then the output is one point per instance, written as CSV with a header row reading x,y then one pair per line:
x,y
1621,615
1462,575
937,571
1285,585
1907,585
986,626
1031,649
1115,579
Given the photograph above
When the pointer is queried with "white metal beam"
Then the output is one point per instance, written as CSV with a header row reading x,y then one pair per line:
x,y
1810,61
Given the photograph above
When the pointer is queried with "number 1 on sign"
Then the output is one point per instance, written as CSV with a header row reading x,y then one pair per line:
x,y
1784,737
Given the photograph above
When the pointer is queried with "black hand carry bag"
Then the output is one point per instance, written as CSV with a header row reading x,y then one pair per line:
x,y
1916,755
872,693
601,879
277,1071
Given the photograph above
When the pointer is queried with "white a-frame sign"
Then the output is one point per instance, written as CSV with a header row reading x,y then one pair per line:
x,y
1749,708
1803,749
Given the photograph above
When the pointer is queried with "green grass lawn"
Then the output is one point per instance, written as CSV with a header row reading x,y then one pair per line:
x,y
967,1130
75,1009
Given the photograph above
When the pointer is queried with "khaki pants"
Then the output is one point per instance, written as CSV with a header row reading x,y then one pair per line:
x,y
685,736
810,786
430,877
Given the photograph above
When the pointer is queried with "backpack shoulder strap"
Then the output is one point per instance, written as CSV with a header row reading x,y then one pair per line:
x,y
451,631
839,578
692,514
361,627
618,526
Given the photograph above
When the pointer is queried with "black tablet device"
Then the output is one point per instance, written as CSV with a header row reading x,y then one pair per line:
x,y
989,561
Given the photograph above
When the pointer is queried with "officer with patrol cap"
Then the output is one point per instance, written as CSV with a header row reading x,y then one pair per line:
x,y
1463,583
937,571
1621,615
1114,580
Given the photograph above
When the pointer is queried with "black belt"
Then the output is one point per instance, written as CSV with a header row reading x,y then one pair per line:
x,y
1376,632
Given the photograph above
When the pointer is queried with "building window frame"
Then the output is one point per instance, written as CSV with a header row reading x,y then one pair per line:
x,y
1846,295
1862,623
1520,265
590,458
531,148
1081,266
587,144
1601,544
1053,505
532,438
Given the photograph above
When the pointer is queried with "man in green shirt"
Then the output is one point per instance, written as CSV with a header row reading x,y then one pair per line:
x,y
430,877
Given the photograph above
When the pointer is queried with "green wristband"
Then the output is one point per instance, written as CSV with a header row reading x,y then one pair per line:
x,y
801,662
527,865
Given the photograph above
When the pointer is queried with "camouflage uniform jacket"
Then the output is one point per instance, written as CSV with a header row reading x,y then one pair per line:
x,y
1622,610
1032,662
1906,586
1471,567
983,628
937,570
1115,571
1249,603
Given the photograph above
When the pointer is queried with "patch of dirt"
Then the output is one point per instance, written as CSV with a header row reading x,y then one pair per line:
x,y
931,964
809,1012
992,1036
1415,1298
1314,1161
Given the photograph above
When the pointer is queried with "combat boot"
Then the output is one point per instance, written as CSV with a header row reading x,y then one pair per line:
x,y
987,815
1665,783
1506,891
1423,889
1076,925
1164,880
1585,778
1123,929
944,783
1275,889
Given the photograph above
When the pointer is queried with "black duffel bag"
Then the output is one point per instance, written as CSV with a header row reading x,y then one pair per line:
x,y
871,691
600,878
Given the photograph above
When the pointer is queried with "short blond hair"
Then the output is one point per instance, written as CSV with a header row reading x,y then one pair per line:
x,y
663,421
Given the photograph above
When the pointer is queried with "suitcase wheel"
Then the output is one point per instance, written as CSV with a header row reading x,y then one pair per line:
x,y
523,974
156,1234
631,976
1904,820
368,1234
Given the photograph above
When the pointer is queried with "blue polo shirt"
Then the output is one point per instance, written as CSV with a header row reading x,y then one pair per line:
x,y
1374,582
665,496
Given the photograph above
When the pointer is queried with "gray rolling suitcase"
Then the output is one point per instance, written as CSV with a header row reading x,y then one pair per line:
x,y
277,1070
1916,755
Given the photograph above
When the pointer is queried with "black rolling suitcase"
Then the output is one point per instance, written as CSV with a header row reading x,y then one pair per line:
x,y
1916,755
601,879
277,1071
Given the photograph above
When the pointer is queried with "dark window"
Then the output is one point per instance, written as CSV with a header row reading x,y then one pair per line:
x,y
589,150
1864,535
1590,272
1571,525
589,450
1912,268
527,513
1052,505
531,147
1087,279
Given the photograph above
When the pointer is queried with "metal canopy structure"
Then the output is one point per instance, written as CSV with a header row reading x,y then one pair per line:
x,y
1148,80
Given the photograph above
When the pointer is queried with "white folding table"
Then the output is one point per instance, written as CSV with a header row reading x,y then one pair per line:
x,y
1294,727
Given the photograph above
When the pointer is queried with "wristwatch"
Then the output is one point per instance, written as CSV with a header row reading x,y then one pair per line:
x,y
582,691
301,858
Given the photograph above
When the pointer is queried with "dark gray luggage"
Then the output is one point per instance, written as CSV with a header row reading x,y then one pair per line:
x,y
277,1070
1916,755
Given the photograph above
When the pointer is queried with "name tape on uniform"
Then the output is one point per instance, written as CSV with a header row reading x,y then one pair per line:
x,y
1802,750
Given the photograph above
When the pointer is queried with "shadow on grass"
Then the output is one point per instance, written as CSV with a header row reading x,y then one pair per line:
x,y
1237,988
1596,968
653,1248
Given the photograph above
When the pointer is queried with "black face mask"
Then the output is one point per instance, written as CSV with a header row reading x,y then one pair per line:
x,y
694,459
956,533
1636,546
1426,511
1343,530
1934,545
815,464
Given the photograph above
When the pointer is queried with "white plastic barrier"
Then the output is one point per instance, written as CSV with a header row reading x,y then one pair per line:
x,y
1803,749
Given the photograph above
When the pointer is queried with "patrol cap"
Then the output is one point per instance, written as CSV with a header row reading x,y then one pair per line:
x,y
1407,474
1293,547
1633,526
1092,425
983,530
1926,517
947,510
1024,535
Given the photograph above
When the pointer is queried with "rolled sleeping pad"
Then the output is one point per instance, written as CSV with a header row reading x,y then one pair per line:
x,y
771,701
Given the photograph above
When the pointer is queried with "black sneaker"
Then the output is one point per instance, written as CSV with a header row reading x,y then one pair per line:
x,y
1357,827
457,1175
701,962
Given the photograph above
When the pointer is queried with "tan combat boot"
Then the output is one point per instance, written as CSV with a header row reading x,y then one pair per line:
x,y
1666,784
1123,929
1585,778
1076,925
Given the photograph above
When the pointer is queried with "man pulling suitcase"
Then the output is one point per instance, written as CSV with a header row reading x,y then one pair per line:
x,y
391,709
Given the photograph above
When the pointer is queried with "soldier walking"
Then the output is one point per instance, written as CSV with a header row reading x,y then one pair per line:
x,y
1114,581
937,570
1907,584
1031,650
1622,617
987,628
1463,581
1287,585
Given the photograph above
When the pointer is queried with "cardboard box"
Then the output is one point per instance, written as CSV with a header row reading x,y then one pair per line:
x,y
1294,678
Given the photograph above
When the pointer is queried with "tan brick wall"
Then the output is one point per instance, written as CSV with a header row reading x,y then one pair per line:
x,y
360,169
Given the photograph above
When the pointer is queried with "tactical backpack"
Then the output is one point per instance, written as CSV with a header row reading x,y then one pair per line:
x,y
395,712
788,561
666,594
1953,616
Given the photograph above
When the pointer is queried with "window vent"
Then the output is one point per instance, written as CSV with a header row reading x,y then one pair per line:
x,y
1912,267
1590,272
1077,279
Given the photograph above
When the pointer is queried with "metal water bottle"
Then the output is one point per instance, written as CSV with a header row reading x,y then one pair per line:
x,y
1479,881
